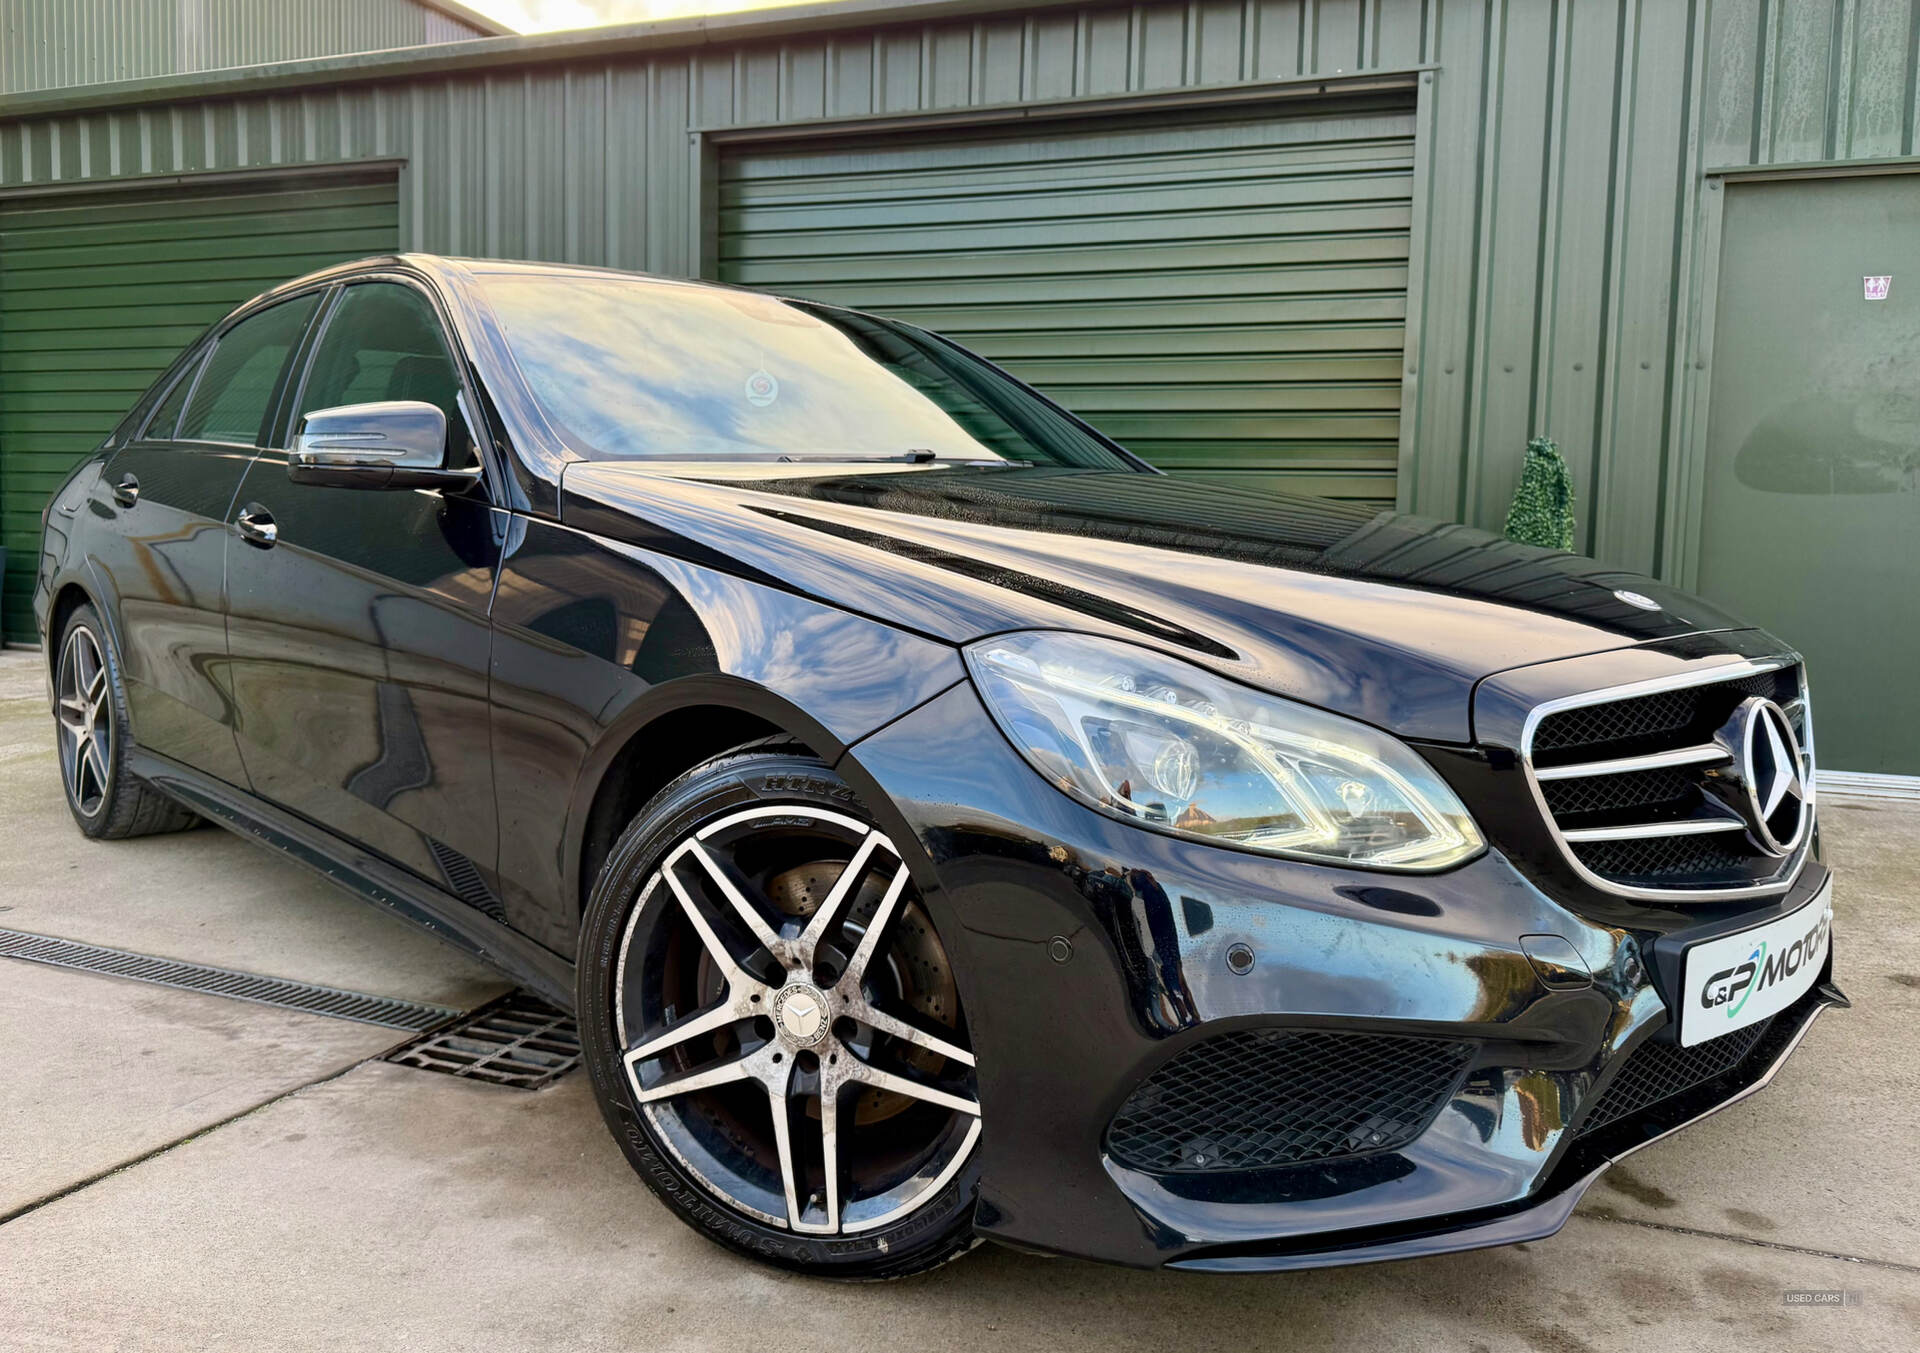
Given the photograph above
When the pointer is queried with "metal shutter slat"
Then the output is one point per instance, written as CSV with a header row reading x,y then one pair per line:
x,y
1226,295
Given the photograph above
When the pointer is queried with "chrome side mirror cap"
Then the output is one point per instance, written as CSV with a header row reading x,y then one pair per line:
x,y
393,444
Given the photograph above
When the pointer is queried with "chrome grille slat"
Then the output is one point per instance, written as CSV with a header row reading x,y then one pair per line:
x,y
1635,831
1625,788
1705,754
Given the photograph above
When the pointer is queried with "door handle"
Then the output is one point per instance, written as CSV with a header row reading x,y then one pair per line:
x,y
127,491
255,525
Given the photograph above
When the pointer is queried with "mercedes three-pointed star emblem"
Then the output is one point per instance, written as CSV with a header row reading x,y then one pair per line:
x,y
800,1013
1778,800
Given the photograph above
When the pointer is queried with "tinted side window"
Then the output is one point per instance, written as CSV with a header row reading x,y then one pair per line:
x,y
167,417
231,401
383,341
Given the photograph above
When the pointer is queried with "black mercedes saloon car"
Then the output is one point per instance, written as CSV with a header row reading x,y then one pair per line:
x,y
945,826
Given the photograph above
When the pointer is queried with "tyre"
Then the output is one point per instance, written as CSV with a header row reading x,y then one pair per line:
x,y
90,724
773,1027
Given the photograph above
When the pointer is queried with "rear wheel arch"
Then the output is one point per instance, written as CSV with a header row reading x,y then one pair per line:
x,y
87,584
68,598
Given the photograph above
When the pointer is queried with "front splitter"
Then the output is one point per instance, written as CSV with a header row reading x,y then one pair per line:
x,y
1536,1219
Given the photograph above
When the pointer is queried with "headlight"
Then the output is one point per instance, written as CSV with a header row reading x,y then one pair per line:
x,y
1151,739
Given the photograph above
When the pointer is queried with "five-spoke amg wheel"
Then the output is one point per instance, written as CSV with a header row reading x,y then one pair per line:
x,y
85,713
90,723
775,1027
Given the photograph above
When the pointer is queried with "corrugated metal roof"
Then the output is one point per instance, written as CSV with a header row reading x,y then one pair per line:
x,y
49,45
495,53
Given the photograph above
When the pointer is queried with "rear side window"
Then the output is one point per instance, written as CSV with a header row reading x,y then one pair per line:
x,y
167,417
230,403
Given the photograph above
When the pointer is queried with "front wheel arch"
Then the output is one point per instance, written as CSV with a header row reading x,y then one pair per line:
x,y
669,731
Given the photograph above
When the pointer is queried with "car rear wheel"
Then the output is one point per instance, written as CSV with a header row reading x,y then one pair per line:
x,y
90,726
774,1026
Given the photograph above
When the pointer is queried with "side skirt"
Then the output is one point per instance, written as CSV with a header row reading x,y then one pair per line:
x,y
366,876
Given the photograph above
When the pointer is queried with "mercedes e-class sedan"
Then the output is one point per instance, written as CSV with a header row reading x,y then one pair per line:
x,y
944,826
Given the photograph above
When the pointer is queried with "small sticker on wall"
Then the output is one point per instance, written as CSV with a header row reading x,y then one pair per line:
x,y
1877,287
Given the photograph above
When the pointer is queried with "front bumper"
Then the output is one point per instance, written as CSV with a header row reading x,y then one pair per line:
x,y
1090,953
1541,1215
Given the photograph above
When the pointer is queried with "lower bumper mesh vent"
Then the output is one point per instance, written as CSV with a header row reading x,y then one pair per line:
x,y
1658,1071
519,1040
1261,1098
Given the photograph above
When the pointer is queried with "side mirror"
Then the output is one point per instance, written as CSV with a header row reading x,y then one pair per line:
x,y
395,444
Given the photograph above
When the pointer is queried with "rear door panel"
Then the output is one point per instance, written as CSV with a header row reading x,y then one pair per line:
x,y
165,500
165,554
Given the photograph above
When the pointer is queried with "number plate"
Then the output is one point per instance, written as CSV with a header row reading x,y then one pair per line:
x,y
1738,979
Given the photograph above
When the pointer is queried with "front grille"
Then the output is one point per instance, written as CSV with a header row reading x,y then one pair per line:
x,y
1655,1072
1571,800
1261,1098
1634,811
1651,723
1622,722
1669,859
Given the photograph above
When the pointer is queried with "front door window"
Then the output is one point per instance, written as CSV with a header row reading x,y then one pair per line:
x,y
383,342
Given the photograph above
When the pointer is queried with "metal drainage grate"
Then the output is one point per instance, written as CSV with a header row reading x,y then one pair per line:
x,y
519,1040
241,986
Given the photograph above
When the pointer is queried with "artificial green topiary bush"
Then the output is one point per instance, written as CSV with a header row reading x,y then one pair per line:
x,y
1542,511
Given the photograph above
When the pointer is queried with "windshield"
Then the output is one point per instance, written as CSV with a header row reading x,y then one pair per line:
x,y
638,369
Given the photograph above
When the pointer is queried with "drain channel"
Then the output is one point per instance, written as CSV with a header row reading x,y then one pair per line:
x,y
519,1041
241,986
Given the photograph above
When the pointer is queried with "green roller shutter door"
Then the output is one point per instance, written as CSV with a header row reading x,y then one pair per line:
x,y
1226,297
99,292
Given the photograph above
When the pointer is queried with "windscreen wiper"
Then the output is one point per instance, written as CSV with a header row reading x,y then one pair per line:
x,y
916,455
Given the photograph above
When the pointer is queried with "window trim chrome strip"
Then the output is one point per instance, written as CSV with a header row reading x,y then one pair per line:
x,y
1705,676
1704,754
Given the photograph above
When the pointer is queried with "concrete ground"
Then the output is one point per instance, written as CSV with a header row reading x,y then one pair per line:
x,y
185,1171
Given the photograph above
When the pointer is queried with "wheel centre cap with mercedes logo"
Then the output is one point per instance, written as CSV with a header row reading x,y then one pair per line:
x,y
800,1013
1776,802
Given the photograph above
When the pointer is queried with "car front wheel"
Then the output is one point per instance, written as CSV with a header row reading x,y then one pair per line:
x,y
774,1027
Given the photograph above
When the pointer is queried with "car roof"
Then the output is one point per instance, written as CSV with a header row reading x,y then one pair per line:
x,y
452,269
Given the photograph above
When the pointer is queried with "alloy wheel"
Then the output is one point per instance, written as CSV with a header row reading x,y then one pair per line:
x,y
789,1023
84,709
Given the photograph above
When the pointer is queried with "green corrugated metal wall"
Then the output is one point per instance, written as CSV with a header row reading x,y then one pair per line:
x,y
1556,283
99,293
1224,296
49,43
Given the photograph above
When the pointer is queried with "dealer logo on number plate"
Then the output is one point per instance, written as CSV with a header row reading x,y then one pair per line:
x,y
1742,978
